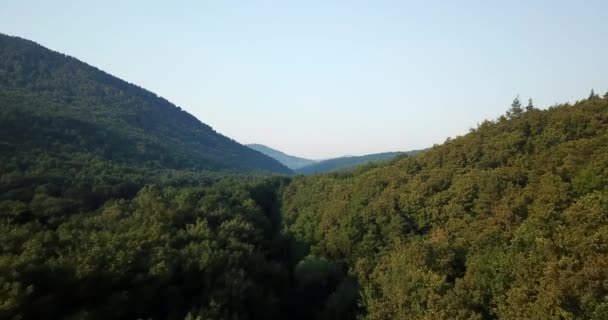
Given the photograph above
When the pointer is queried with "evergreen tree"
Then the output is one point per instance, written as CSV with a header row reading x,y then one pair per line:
x,y
516,109
593,95
606,95
530,105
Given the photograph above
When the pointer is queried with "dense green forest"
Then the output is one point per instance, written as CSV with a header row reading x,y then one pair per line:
x,y
507,222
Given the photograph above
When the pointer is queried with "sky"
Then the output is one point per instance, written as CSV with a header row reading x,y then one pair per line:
x,y
321,78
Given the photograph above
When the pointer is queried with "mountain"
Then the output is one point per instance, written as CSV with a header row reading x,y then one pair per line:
x,y
289,161
55,106
349,162
509,221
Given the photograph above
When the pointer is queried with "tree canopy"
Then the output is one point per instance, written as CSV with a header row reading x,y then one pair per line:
x,y
114,204
507,222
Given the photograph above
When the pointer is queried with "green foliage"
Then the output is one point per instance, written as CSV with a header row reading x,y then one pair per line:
x,y
116,204
516,109
593,95
507,222
530,105
207,251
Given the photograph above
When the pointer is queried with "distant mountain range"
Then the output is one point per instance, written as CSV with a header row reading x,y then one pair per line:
x,y
57,107
309,166
292,162
343,163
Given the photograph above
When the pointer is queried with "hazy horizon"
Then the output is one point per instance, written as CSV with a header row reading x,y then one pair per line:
x,y
319,80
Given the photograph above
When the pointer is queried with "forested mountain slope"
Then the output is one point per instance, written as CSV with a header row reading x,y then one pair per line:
x,y
507,222
343,163
292,162
54,106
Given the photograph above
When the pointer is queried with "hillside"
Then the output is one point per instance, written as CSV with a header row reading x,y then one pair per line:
x,y
292,162
349,162
108,210
54,106
507,222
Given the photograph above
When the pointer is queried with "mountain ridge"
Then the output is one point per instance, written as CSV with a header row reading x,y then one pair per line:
x,y
349,162
290,161
39,85
309,166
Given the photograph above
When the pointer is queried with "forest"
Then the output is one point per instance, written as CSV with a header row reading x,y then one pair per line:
x,y
507,222
103,216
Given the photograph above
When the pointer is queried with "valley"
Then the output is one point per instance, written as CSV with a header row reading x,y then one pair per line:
x,y
117,204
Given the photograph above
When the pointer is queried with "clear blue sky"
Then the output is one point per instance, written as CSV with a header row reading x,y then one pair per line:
x,y
321,78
